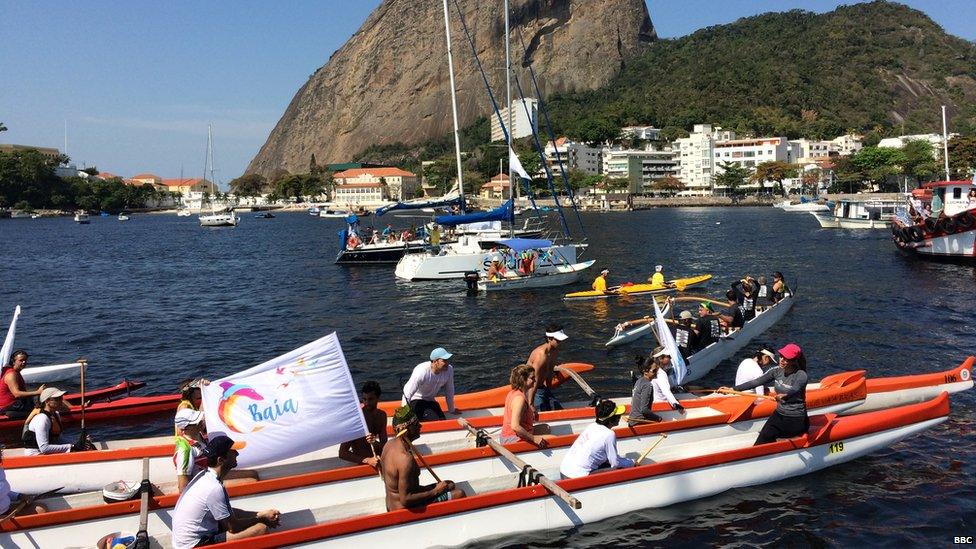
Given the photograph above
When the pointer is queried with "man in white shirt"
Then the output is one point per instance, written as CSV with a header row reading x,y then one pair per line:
x,y
596,446
203,515
42,430
751,368
427,380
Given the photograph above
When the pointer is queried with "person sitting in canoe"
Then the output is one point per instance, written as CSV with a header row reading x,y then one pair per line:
x,y
657,279
596,446
655,387
401,476
188,452
789,381
708,328
780,290
203,514
731,316
542,359
518,419
364,449
428,379
751,368
191,398
764,294
684,334
600,282
16,402
745,297
42,430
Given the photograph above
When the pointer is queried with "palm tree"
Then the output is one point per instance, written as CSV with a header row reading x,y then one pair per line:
x,y
3,128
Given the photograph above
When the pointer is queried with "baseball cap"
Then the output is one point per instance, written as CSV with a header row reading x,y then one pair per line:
x,y
605,271
186,416
705,305
606,409
51,392
440,353
558,335
768,353
221,444
790,351
685,315
658,268
662,352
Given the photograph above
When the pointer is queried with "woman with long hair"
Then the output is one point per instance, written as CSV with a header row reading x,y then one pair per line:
x,y
519,416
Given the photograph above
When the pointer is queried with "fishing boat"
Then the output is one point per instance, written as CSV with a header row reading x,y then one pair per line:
x,y
354,510
951,234
629,288
560,275
82,218
632,330
857,214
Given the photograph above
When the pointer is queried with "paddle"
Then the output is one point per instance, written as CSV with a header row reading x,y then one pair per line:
x,y
142,536
638,420
29,500
661,437
504,452
420,456
732,392
579,381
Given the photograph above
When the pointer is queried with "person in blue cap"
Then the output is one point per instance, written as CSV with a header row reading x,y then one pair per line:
x,y
426,382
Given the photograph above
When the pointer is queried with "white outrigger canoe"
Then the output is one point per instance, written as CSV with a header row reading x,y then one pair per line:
x,y
633,330
560,275
680,469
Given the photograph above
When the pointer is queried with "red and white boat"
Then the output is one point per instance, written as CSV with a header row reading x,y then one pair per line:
x,y
951,235
680,469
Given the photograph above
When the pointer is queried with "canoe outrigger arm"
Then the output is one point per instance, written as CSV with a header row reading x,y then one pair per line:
x,y
581,382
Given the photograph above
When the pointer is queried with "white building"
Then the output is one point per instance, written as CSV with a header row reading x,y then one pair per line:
x,y
749,153
525,119
808,151
648,133
574,156
360,194
640,167
694,157
361,183
846,145
935,139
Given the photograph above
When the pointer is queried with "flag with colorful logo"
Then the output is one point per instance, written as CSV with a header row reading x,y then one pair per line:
x,y
664,336
298,403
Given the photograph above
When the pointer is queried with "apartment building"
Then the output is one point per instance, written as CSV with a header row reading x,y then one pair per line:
x,y
525,119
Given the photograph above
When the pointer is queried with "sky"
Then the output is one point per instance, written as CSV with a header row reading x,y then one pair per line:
x,y
137,83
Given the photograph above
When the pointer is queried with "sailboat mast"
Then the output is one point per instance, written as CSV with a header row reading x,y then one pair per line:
x,y
512,187
945,143
454,109
213,183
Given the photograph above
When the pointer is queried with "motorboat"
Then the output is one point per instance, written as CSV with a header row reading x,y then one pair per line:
x,y
123,217
473,253
184,212
339,214
219,219
949,235
82,218
858,214
560,275
264,215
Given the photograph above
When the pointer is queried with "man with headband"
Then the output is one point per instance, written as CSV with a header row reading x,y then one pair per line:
x,y
543,361
400,472
596,447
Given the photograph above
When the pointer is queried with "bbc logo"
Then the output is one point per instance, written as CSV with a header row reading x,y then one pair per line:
x,y
962,539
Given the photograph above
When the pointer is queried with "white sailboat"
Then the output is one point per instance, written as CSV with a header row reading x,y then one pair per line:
x,y
214,218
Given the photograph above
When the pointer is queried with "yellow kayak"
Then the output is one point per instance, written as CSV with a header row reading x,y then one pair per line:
x,y
671,286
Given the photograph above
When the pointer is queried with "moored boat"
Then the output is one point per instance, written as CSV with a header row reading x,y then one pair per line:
x,y
82,218
629,288
858,214
560,275
951,234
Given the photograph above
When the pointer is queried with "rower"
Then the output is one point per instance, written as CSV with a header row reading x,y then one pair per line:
x,y
684,334
780,290
596,446
600,282
543,359
188,454
731,317
16,402
790,383
203,515
746,297
657,279
364,449
401,475
42,430
428,379
764,294
753,367
191,398
518,419
708,329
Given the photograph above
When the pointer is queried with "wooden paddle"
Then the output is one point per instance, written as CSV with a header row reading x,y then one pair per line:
x,y
420,457
84,366
638,420
142,536
579,381
661,437
504,452
29,500
733,392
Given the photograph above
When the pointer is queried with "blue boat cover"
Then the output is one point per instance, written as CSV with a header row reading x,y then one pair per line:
x,y
505,212
419,205
522,244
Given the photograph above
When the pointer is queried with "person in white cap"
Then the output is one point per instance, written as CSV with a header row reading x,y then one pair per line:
x,y
427,380
188,455
42,430
657,279
600,282
753,367
543,361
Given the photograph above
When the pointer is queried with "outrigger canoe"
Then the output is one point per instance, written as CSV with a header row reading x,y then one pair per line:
x,y
633,330
504,499
672,286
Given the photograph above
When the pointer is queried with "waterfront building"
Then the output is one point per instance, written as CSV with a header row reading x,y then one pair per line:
x,y
640,167
647,133
187,187
525,119
749,153
574,156
498,188
808,151
935,139
361,194
387,183
845,145
694,157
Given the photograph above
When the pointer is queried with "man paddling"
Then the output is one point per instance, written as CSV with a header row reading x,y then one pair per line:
x,y
364,450
543,361
203,515
708,329
427,380
401,475
600,282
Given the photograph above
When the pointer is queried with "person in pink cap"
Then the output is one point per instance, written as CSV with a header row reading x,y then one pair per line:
x,y
789,381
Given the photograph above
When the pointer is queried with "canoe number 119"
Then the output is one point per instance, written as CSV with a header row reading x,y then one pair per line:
x,y
836,447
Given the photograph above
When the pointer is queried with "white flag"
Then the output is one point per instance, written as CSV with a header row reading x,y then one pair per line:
x,y
666,339
515,165
8,343
300,402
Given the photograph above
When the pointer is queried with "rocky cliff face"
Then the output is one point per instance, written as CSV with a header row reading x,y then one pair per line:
x,y
389,82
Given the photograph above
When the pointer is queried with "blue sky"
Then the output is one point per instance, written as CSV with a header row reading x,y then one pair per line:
x,y
138,82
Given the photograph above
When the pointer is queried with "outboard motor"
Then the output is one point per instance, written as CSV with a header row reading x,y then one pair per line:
x,y
471,280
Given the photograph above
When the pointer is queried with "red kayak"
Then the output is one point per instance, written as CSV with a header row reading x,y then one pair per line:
x,y
123,388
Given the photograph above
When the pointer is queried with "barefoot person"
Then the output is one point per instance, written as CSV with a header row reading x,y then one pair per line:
x,y
401,475
203,515
543,361
518,420
16,402
359,451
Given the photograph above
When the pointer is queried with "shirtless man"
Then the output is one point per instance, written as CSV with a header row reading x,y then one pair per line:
x,y
401,475
543,361
359,451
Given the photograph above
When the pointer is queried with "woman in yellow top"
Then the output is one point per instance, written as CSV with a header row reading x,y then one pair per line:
x,y
600,283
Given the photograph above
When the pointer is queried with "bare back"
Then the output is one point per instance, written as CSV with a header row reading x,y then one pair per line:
x,y
400,472
543,361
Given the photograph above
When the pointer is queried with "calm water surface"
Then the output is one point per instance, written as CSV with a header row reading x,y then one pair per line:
x,y
158,299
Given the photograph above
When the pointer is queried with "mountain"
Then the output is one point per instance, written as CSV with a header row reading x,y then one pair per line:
x,y
389,82
879,67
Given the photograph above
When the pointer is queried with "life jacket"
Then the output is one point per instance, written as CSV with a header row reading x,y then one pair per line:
x,y
29,438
